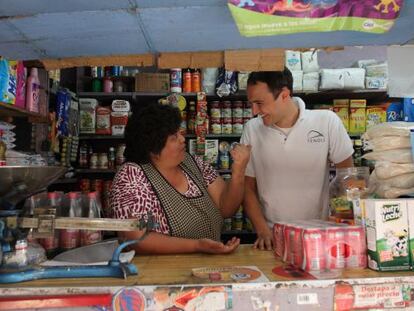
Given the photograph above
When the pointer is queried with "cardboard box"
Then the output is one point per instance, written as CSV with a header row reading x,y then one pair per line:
x,y
152,82
376,115
387,234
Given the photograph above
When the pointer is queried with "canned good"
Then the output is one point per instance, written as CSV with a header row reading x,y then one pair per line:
x,y
215,109
226,109
237,109
103,160
175,80
278,233
247,110
227,126
227,224
237,126
356,247
314,258
215,126
93,161
297,247
335,248
224,161
287,254
237,222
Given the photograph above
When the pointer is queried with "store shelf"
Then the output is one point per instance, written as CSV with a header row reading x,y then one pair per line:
x,y
212,136
95,171
65,181
100,137
12,111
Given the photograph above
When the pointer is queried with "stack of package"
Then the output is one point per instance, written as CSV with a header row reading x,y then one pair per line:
x,y
7,135
393,175
305,69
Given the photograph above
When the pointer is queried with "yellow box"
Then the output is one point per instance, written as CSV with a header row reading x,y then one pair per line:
x,y
376,115
341,108
357,119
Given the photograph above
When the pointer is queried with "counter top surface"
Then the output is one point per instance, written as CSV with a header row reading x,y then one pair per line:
x,y
176,269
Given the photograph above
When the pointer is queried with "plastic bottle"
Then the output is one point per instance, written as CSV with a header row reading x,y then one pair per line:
x,y
32,91
51,244
187,81
70,238
94,211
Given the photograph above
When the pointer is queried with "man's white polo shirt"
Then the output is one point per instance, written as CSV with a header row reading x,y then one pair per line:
x,y
292,171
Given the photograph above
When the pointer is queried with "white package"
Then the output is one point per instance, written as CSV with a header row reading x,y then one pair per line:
x,y
293,60
377,70
387,143
297,80
242,79
376,82
389,129
310,81
384,169
209,76
363,63
395,155
354,78
310,61
332,79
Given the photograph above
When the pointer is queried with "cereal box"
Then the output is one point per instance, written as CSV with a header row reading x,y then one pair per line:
x,y
357,118
410,210
387,234
376,115
341,108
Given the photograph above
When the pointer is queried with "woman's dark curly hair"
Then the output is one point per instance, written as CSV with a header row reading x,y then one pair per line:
x,y
147,131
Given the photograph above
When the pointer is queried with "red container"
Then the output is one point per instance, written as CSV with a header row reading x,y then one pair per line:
x,y
335,247
314,258
278,237
356,248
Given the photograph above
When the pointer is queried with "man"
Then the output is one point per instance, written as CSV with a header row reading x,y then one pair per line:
x,y
287,177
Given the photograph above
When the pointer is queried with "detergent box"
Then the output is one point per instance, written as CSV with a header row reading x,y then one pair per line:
x,y
387,234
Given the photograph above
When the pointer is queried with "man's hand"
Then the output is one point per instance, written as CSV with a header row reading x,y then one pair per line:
x,y
264,240
213,247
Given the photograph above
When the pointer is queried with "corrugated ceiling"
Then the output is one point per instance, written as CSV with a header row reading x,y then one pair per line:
x,y
36,29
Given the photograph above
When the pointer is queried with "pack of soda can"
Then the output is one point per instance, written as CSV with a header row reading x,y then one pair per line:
x,y
317,245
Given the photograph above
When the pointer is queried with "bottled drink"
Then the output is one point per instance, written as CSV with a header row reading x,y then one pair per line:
x,y
70,238
187,81
51,244
83,155
93,211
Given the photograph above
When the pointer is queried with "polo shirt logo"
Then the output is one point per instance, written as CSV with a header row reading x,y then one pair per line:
x,y
315,137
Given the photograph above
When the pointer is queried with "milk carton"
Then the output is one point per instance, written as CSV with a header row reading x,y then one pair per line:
x,y
410,210
387,234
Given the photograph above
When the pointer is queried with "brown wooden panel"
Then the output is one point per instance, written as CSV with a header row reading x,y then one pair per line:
x,y
191,60
255,60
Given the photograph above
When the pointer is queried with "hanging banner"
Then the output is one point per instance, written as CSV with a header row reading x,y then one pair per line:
x,y
276,17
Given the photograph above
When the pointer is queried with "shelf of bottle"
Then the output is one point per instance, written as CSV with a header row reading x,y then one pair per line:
x,y
95,171
7,110
100,137
362,92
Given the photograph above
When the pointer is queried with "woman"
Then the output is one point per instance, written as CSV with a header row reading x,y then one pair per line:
x,y
185,195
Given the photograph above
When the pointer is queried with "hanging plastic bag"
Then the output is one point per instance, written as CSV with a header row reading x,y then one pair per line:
x,y
395,156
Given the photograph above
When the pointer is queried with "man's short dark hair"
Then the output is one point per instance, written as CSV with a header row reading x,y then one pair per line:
x,y
275,80
147,131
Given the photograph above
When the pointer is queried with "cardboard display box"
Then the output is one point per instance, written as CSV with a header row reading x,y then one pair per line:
x,y
152,82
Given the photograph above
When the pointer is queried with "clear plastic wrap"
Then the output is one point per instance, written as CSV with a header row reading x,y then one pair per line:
x,y
396,156
385,169
383,143
389,129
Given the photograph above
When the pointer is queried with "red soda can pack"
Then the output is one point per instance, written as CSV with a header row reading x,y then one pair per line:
x,y
335,247
278,237
314,258
355,254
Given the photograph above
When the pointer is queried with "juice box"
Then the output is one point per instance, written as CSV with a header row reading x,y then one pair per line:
x,y
357,119
341,108
387,234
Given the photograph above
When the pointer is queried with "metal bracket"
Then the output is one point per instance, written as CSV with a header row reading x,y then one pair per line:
x,y
46,224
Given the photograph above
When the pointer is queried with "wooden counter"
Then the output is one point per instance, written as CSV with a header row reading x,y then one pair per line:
x,y
176,269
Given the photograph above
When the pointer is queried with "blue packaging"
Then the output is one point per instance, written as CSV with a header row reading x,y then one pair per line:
x,y
395,112
408,104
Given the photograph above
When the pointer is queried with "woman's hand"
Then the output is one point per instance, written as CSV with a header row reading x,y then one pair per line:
x,y
240,154
213,247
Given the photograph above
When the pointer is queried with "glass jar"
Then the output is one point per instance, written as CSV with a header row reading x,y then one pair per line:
x,y
345,191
